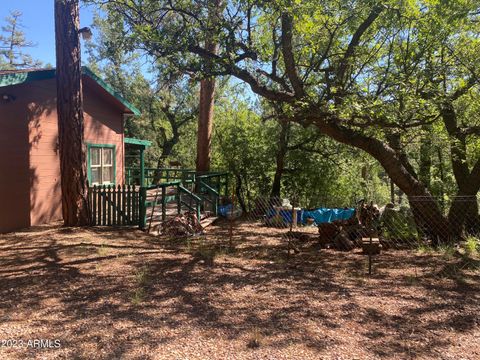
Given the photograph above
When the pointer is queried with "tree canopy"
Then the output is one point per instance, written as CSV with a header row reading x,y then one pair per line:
x,y
395,79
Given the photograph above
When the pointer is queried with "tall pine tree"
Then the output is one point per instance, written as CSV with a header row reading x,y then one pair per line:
x,y
13,44
70,114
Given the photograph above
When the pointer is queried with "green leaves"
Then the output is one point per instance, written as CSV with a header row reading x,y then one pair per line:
x,y
389,76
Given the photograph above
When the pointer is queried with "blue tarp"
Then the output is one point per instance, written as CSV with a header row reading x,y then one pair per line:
x,y
326,215
224,210
320,215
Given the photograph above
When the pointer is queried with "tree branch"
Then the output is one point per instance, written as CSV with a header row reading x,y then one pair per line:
x,y
288,58
355,41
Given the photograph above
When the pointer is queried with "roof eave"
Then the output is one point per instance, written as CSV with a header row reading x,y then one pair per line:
x,y
132,109
28,76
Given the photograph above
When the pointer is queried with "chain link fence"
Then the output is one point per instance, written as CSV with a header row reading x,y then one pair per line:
x,y
424,238
436,237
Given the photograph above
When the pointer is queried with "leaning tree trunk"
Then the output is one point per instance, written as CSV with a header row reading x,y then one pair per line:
x,y
70,114
464,208
426,211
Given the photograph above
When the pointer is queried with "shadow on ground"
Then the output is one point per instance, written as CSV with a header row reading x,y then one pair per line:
x,y
120,292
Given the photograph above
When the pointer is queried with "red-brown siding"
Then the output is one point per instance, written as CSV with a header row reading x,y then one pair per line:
x,y
30,191
104,125
14,161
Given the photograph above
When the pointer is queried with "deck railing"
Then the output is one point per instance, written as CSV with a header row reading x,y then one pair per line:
x,y
154,175
158,197
130,204
216,180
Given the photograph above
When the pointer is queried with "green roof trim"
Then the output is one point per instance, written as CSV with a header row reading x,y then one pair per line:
x,y
110,90
14,78
20,77
132,141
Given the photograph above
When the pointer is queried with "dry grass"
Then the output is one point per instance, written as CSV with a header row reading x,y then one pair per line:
x,y
112,294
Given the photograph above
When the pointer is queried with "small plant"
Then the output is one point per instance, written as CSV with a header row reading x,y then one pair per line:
x,y
142,279
454,272
206,254
424,249
142,276
84,249
411,279
255,339
472,246
188,245
102,250
447,251
138,296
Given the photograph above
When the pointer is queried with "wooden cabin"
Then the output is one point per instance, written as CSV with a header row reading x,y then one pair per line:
x,y
30,192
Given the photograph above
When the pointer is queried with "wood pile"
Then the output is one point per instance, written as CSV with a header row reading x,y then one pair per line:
x,y
345,235
182,225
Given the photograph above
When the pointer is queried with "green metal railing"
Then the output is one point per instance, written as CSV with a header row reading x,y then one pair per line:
x,y
128,204
182,197
216,180
159,198
153,175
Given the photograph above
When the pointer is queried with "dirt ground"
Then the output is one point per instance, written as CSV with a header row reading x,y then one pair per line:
x,y
110,294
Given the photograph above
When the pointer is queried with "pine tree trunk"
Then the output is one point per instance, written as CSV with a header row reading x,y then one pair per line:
x,y
70,114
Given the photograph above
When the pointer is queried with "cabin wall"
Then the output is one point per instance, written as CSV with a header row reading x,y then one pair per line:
x,y
15,144
104,125
45,180
30,187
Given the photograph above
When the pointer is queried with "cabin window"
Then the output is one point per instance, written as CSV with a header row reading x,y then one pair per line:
x,y
101,164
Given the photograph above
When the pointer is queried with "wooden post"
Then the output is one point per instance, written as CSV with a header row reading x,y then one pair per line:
x,y
370,257
230,228
94,204
179,200
109,205
164,203
142,167
143,209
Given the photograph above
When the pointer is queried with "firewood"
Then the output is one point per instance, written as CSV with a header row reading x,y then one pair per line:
x,y
342,242
328,231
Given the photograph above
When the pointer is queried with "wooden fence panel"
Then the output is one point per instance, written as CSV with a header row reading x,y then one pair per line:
x,y
114,205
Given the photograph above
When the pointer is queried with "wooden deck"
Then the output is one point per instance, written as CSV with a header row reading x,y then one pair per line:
x,y
154,214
